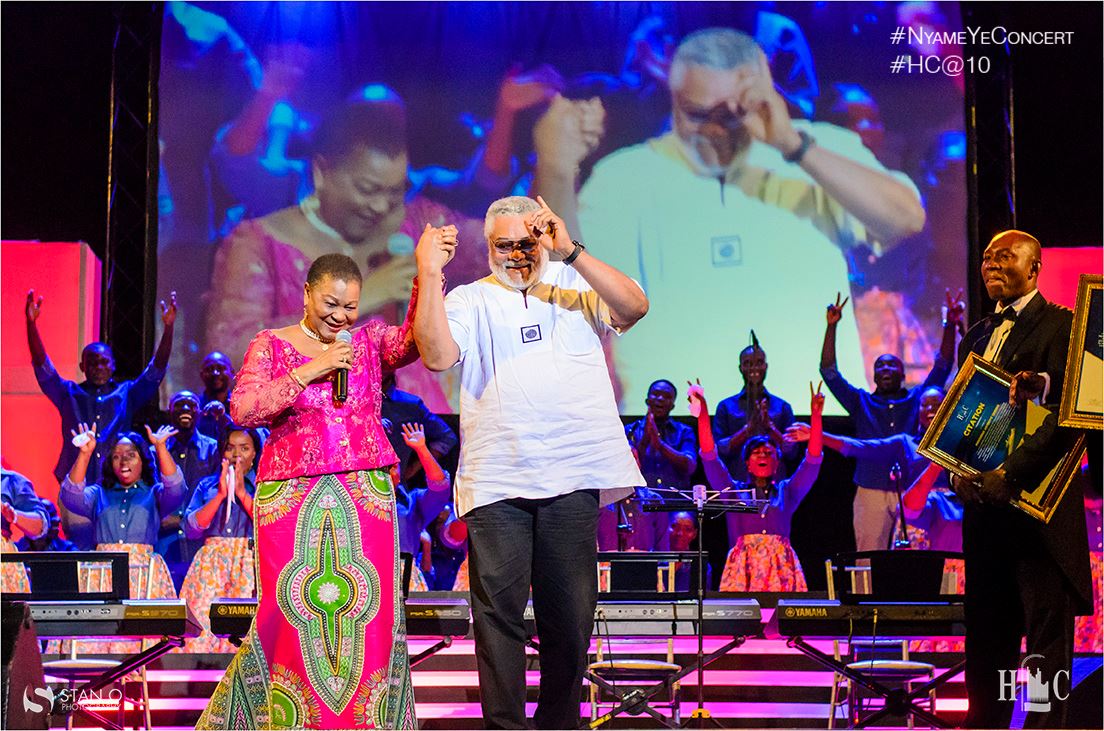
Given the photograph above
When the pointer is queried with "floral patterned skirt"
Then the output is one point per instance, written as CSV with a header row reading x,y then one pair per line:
x,y
223,567
327,648
149,579
954,575
13,576
462,582
762,562
1087,636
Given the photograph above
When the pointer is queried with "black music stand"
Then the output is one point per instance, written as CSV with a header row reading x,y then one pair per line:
x,y
62,567
701,501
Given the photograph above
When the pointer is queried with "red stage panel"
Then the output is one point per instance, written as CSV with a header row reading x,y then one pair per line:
x,y
67,275
1062,267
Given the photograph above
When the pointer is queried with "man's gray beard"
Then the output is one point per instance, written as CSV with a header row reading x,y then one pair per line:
x,y
500,273
701,167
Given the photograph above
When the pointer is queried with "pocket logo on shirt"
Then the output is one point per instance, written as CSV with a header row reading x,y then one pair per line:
x,y
727,251
530,334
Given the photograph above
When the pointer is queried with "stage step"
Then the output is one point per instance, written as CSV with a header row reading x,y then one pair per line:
x,y
761,684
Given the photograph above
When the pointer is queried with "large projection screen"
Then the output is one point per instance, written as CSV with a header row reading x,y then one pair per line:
x,y
468,102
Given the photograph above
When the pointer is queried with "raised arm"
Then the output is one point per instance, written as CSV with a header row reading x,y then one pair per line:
x,y
828,347
626,300
435,249
798,486
173,487
563,137
944,359
75,495
518,92
716,474
168,320
916,496
396,342
845,393
414,437
34,340
888,208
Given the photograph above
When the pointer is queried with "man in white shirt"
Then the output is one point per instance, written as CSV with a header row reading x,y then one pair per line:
x,y
541,442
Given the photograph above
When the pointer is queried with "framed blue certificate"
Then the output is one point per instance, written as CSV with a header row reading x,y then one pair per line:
x,y
976,428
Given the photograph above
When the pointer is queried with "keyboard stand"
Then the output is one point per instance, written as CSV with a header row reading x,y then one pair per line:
x,y
635,701
128,665
897,700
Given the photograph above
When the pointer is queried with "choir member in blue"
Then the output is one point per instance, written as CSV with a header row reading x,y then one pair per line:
x,y
219,519
198,456
126,509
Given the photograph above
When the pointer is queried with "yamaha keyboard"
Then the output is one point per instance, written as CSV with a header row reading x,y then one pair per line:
x,y
830,618
126,619
446,617
721,618
452,617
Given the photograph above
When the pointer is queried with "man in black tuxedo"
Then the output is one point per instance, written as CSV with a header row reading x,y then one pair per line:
x,y
1023,575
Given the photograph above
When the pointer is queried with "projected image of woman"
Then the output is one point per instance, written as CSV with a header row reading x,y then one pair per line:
x,y
327,648
359,208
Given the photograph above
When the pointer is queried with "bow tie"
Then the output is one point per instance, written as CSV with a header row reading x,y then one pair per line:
x,y
1008,313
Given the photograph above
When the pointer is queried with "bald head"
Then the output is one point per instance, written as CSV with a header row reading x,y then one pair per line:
x,y
1010,265
1015,236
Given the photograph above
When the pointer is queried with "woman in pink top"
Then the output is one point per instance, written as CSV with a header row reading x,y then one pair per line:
x,y
327,648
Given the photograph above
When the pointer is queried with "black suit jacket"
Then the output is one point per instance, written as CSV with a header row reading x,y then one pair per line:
x,y
1039,341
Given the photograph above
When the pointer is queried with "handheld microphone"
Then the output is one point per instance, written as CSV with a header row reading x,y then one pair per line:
x,y
341,377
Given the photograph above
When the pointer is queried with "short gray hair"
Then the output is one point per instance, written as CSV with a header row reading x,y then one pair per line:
x,y
511,205
715,48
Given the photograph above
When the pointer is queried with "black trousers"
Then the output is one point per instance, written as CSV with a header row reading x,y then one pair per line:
x,y
550,544
1013,587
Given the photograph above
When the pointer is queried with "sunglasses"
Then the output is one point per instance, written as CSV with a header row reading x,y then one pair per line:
x,y
525,246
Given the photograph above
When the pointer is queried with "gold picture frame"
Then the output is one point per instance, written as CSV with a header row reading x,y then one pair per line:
x,y
1082,403
975,429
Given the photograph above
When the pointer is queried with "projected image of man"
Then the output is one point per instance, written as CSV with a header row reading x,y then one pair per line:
x,y
738,210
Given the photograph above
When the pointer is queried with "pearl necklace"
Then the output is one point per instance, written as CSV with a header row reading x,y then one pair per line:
x,y
309,207
313,335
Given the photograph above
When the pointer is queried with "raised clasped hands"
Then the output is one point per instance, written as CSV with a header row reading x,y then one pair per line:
x,y
651,433
436,248
569,131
